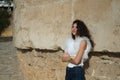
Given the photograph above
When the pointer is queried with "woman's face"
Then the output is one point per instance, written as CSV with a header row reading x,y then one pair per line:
x,y
74,29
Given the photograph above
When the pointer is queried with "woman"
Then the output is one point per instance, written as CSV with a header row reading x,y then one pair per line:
x,y
76,51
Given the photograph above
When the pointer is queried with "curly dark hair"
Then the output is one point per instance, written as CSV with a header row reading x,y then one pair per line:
x,y
82,30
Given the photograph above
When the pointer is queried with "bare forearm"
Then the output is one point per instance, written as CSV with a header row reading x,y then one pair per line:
x,y
77,59
66,57
74,61
63,59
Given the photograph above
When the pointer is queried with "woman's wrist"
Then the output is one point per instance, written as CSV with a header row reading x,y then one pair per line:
x,y
70,59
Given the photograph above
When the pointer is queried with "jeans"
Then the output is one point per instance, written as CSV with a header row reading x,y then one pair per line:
x,y
75,73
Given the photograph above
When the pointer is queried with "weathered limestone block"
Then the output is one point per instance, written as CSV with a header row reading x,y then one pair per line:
x,y
104,67
42,66
102,18
116,12
46,24
43,26
48,66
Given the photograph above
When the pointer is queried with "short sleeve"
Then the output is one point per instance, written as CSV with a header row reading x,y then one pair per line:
x,y
66,45
88,48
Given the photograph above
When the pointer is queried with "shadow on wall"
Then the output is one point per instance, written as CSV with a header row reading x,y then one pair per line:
x,y
98,54
86,64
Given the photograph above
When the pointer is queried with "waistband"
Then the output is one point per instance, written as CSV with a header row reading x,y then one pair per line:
x,y
75,67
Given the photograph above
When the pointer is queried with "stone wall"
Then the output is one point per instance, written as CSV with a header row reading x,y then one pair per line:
x,y
42,26
47,65
102,18
45,24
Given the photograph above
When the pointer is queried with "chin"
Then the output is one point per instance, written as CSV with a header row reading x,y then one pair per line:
x,y
74,34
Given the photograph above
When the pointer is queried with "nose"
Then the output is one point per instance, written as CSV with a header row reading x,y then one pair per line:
x,y
73,28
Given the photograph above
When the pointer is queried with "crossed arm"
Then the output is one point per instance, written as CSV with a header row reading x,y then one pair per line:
x,y
77,59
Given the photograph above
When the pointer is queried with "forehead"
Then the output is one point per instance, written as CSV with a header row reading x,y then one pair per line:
x,y
75,25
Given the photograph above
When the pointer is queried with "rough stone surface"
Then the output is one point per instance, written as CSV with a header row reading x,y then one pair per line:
x,y
101,17
42,66
45,24
46,65
103,67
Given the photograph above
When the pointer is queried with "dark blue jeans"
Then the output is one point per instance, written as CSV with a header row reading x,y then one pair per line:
x,y
75,73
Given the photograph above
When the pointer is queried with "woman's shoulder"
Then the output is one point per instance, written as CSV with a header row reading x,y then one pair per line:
x,y
89,46
85,38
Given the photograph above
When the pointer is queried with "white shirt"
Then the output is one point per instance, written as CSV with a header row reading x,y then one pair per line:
x,y
72,47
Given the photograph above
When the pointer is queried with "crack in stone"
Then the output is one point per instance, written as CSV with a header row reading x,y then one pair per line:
x,y
109,54
92,53
40,50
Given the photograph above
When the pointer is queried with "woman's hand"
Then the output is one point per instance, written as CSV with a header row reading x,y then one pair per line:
x,y
66,57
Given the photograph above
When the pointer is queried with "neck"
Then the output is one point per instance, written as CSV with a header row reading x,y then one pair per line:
x,y
76,36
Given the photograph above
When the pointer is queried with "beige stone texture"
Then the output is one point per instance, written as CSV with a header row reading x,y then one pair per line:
x,y
45,24
42,65
48,66
101,17
103,67
42,24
